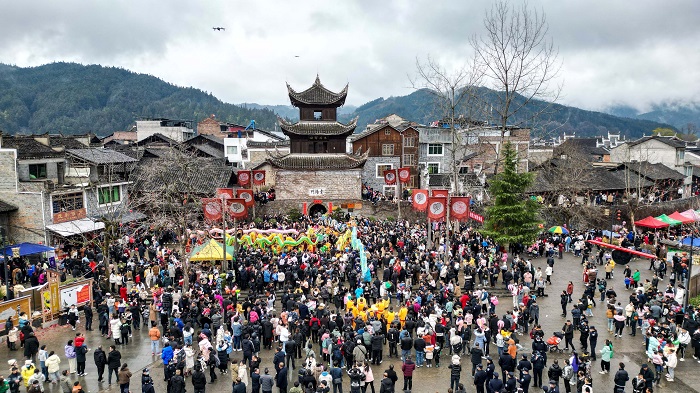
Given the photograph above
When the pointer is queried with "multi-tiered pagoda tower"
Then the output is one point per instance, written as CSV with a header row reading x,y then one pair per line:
x,y
318,166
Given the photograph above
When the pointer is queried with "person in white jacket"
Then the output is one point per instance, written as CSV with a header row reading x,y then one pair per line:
x,y
671,361
114,326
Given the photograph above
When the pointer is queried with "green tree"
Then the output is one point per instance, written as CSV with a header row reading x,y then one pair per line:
x,y
664,132
513,218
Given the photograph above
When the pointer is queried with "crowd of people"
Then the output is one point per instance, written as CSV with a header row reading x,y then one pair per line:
x,y
323,322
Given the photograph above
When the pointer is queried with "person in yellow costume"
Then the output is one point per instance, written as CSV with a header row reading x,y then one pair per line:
x,y
363,315
349,305
403,312
390,316
354,312
361,304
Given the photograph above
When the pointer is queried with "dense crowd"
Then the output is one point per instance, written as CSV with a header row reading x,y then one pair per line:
x,y
324,322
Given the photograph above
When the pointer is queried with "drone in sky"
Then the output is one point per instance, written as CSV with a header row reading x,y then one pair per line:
x,y
219,28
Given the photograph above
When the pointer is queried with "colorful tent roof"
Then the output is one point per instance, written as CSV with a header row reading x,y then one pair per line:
x,y
680,217
651,222
211,251
668,220
690,213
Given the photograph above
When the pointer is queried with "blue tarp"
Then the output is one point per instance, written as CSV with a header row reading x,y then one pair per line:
x,y
26,249
696,241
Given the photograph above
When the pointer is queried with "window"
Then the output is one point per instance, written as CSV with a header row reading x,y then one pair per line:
x,y
383,167
435,149
109,194
388,149
681,155
433,168
37,171
318,115
387,132
409,141
232,150
67,202
409,160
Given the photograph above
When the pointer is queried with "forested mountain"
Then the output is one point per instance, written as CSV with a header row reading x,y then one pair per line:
x,y
420,106
74,99
685,116
292,113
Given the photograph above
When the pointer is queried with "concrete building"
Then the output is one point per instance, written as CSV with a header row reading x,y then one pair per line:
x,y
177,130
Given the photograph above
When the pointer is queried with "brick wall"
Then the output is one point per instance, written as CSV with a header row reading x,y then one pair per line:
x,y
210,126
338,184
369,173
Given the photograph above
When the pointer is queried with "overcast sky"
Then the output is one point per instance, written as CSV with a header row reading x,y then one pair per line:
x,y
612,52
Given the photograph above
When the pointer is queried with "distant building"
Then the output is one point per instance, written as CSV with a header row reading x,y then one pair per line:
x,y
177,130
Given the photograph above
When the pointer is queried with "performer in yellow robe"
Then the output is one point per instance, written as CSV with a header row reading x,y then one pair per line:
x,y
403,312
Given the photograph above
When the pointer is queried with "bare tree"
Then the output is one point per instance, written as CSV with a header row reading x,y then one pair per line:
x,y
520,63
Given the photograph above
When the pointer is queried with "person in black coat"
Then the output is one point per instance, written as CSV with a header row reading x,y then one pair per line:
x,y
525,379
648,376
511,383
621,378
255,380
114,361
496,385
281,378
524,364
455,371
279,358
387,385
88,317
31,345
480,378
507,364
476,355
199,380
238,386
539,361
100,359
248,349
176,384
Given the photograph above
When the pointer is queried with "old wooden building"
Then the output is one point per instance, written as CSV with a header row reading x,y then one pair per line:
x,y
317,167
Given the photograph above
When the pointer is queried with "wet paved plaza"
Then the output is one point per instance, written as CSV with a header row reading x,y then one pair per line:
x,y
626,349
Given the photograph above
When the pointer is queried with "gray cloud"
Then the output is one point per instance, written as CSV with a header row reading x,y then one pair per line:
x,y
612,52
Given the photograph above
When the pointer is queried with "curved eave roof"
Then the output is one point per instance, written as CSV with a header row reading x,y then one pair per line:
x,y
317,94
330,128
307,161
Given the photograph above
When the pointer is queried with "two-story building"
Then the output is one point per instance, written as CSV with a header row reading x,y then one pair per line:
x,y
390,145
669,151
177,130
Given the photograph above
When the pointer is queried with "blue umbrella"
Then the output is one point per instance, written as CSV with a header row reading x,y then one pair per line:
x,y
687,240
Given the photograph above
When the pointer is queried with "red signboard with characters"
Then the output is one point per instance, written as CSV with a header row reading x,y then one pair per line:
x,y
258,178
243,178
212,208
236,208
437,208
459,208
404,175
390,177
246,195
70,215
226,193
439,193
420,199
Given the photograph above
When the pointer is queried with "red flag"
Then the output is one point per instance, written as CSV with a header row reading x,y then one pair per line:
x,y
236,208
439,192
404,175
212,208
258,178
246,195
476,217
243,178
420,199
437,208
459,208
390,176
225,192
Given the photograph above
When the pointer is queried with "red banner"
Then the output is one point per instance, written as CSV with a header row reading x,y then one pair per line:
x,y
390,177
420,199
404,175
437,208
439,192
246,195
258,178
476,217
227,193
243,178
212,208
236,208
459,208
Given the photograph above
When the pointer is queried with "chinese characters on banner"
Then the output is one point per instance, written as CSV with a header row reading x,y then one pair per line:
x,y
459,208
212,208
246,195
236,208
390,177
243,178
404,175
439,193
258,178
420,199
437,208
226,193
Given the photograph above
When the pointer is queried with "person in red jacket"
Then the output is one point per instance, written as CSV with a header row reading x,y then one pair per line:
x,y
407,367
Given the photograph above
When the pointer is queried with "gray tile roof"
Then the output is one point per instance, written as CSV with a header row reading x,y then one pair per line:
x,y
28,147
669,140
317,94
6,207
317,127
316,161
99,156
653,172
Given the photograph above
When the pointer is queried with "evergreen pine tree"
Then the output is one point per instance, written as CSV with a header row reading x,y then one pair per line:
x,y
513,218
